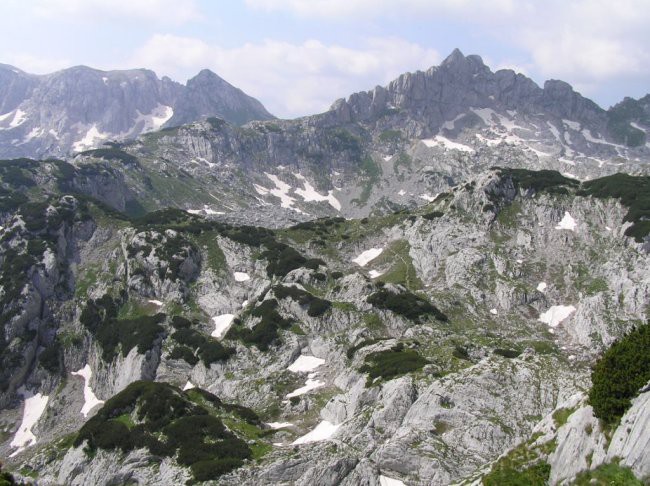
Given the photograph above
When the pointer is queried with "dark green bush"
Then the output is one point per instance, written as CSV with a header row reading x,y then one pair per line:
x,y
112,154
619,374
208,349
633,192
391,363
367,342
263,334
406,304
549,181
170,424
433,215
315,305
184,353
50,357
507,353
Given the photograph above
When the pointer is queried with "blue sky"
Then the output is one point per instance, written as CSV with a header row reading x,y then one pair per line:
x,y
298,56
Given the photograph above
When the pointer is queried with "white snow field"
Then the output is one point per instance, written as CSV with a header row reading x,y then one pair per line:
x,y
323,431
367,256
556,314
90,400
221,325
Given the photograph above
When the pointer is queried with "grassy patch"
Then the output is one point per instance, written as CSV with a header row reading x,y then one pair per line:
x,y
607,475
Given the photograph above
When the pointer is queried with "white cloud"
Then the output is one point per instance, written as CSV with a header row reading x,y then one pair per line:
x,y
376,8
585,42
37,65
290,79
160,11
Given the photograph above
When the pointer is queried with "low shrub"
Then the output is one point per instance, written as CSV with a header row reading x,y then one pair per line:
x,y
391,363
619,374
406,304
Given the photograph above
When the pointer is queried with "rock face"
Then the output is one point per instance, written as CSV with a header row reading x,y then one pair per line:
x,y
447,330
81,108
453,296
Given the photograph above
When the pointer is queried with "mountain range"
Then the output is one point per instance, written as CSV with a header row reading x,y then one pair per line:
x,y
441,281
80,108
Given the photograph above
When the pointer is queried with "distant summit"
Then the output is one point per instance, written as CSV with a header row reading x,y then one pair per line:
x,y
80,108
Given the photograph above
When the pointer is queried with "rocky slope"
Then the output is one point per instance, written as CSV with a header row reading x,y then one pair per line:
x,y
390,148
416,346
81,108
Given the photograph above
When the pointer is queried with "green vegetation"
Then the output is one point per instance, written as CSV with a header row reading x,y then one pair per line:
x,y
391,136
402,271
433,215
507,353
535,475
366,342
561,415
6,479
316,306
549,181
170,423
618,122
619,374
112,154
607,475
406,304
263,334
521,466
194,345
391,363
371,172
633,192
100,318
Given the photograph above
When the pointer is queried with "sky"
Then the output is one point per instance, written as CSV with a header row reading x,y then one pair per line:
x,y
299,56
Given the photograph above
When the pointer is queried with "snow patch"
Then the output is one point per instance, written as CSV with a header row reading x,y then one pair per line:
x,y
375,274
262,191
573,125
156,119
310,194
494,312
364,258
323,431
637,126
567,223
156,302
188,386
221,325
445,143
427,197
34,408
386,481
20,117
401,192
207,210
310,384
590,138
281,191
556,314
90,400
541,287
90,139
279,425
305,364
450,124
241,277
